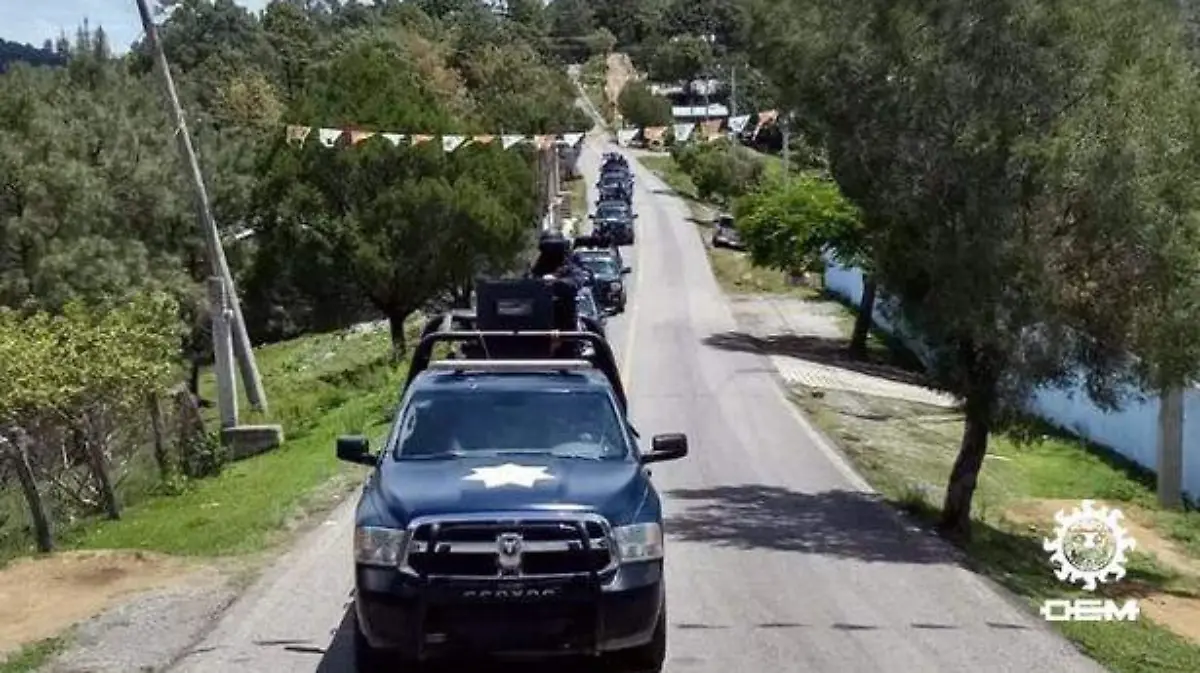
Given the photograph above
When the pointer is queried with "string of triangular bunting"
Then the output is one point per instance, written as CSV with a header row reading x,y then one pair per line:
x,y
331,137
709,130
706,131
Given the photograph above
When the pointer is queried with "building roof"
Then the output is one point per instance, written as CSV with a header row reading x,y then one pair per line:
x,y
699,111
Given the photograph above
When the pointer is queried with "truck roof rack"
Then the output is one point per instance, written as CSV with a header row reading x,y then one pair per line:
x,y
593,241
510,365
602,359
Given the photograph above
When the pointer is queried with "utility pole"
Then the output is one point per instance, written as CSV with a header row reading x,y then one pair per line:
x,y
216,253
1170,448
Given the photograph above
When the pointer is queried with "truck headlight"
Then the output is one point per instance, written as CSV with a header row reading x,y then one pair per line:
x,y
615,286
639,542
382,547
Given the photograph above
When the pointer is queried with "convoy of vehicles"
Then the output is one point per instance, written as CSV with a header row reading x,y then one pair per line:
x,y
613,217
510,509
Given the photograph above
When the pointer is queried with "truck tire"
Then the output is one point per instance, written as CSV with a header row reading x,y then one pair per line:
x,y
648,658
367,659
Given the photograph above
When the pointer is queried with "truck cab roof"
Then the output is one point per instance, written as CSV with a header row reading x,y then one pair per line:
x,y
467,380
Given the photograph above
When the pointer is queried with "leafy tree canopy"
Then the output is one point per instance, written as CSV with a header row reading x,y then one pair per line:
x,y
1024,170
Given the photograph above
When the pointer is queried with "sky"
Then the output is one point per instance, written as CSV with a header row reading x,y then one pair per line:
x,y
34,21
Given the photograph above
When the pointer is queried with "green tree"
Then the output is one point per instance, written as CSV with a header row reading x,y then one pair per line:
x,y
640,107
721,170
75,381
1024,171
633,22
681,59
791,224
370,207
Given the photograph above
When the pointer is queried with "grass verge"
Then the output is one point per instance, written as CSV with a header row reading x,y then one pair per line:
x,y
732,269
318,386
906,450
32,657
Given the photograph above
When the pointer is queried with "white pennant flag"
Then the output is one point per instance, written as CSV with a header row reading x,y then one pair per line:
x,y
738,123
626,136
683,132
572,139
508,141
451,143
329,137
393,138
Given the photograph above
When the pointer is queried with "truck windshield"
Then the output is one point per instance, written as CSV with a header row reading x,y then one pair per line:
x,y
571,423
604,266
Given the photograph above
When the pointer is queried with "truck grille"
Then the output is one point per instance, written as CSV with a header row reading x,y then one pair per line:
x,y
523,548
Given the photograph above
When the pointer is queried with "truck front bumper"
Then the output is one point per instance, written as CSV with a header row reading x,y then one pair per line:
x,y
431,617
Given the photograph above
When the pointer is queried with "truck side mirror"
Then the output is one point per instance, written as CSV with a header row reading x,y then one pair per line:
x,y
355,449
672,446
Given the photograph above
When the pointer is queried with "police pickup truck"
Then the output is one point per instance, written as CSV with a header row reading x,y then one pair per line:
x,y
510,510
601,256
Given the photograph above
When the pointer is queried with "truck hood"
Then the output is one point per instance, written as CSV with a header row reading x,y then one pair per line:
x,y
410,489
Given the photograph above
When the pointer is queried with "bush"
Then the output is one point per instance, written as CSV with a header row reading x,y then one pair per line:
x,y
787,226
639,107
73,408
722,171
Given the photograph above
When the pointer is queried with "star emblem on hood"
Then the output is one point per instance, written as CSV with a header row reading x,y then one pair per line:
x,y
508,474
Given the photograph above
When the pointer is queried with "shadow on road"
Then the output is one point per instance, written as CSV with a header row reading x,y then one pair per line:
x,y
339,658
834,523
821,350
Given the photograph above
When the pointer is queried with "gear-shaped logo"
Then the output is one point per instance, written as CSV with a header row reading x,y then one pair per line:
x,y
1089,545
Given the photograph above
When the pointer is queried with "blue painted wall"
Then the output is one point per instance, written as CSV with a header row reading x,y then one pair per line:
x,y
1132,432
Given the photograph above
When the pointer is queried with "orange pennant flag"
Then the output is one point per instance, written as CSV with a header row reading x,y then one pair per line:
x,y
767,116
483,140
417,140
654,133
298,134
711,129
357,137
543,142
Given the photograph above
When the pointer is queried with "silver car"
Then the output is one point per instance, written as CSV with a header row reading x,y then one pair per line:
x,y
725,234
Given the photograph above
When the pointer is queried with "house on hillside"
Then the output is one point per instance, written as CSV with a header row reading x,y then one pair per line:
x,y
695,101
699,113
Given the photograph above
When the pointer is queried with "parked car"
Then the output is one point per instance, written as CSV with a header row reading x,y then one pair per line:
x,y
725,234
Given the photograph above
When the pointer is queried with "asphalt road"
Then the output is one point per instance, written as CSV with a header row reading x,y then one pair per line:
x,y
779,558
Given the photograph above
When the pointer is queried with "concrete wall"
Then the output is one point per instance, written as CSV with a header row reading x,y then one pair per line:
x,y
1132,432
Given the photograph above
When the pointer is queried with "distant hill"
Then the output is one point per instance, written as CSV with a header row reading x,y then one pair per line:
x,y
15,52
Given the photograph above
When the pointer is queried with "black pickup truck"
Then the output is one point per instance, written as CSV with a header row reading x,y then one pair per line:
x,y
510,510
614,220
